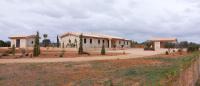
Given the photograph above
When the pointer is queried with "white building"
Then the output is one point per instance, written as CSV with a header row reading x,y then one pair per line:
x,y
22,41
160,42
93,40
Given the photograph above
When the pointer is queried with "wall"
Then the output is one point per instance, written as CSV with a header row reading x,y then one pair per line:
x,y
94,44
188,77
30,42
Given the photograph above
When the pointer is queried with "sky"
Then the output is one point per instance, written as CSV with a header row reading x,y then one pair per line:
x,y
137,20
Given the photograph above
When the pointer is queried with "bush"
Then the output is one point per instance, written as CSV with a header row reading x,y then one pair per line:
x,y
166,53
103,51
62,53
192,48
180,51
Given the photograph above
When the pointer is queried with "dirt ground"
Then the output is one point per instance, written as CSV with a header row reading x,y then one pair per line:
x,y
124,72
74,57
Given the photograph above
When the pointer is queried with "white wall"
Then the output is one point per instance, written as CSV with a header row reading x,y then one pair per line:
x,y
157,45
30,42
24,43
94,43
119,44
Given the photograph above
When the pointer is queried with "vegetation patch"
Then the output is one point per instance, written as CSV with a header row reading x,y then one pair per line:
x,y
145,72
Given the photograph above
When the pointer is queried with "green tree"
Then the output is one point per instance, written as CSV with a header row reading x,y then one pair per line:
x,y
58,42
13,50
103,51
36,50
45,36
80,50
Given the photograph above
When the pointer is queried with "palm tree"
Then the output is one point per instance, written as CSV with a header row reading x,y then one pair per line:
x,y
45,36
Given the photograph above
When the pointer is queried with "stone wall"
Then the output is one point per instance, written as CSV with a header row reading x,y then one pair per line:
x,y
188,77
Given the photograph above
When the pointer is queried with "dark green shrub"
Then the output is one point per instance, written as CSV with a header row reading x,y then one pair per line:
x,y
103,51
192,48
166,53
80,50
36,49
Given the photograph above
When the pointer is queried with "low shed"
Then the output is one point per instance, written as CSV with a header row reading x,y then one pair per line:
x,y
22,41
160,42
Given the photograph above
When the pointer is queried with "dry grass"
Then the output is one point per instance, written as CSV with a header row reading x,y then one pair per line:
x,y
95,73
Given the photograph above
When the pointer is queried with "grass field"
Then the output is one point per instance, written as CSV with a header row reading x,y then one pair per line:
x,y
144,71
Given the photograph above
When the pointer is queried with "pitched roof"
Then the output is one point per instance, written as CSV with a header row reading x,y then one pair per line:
x,y
22,36
163,39
95,35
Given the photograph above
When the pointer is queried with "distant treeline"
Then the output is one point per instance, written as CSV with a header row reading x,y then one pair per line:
x,y
5,43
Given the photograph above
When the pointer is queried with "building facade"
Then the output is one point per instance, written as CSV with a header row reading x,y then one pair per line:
x,y
93,40
160,42
23,41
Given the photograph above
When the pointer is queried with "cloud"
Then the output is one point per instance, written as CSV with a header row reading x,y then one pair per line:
x,y
134,19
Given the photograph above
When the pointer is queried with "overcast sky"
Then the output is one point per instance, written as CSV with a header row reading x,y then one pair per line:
x,y
133,19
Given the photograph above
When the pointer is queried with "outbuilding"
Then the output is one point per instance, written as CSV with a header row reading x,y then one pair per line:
x,y
23,41
159,43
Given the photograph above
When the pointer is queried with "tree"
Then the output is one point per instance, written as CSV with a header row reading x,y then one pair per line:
x,y
192,47
36,50
183,44
45,36
148,45
103,51
13,50
58,42
4,43
133,43
46,42
80,50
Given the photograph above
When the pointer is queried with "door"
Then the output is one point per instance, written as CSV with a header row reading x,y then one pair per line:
x,y
18,43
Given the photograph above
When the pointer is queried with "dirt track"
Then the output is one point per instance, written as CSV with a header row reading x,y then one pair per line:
x,y
133,53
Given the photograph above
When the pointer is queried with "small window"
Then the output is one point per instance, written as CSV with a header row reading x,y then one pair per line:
x,y
119,42
127,43
99,41
103,41
31,42
85,41
90,41
124,42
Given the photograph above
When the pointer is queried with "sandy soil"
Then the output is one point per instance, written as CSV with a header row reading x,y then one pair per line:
x,y
132,53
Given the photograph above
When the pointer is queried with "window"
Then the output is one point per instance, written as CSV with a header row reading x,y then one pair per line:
x,y
99,41
119,42
31,42
90,41
85,41
124,42
103,41
127,43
